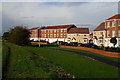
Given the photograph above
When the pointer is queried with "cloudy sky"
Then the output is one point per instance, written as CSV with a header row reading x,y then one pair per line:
x,y
32,14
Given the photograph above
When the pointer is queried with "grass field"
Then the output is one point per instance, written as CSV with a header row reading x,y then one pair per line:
x,y
33,62
87,52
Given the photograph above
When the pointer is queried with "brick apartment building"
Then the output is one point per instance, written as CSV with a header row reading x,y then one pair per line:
x,y
80,35
35,33
112,26
56,33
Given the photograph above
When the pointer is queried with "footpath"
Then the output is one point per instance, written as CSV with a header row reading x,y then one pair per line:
x,y
102,52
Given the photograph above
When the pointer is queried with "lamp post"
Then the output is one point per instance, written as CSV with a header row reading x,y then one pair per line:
x,y
39,36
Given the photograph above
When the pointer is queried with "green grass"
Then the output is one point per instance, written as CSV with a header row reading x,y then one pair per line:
x,y
33,62
88,52
24,63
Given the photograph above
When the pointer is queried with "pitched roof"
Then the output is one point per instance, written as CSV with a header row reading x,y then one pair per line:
x,y
79,30
34,28
117,16
100,27
91,34
59,26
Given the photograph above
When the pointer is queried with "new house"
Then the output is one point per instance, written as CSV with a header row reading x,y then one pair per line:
x,y
112,26
80,35
99,35
56,33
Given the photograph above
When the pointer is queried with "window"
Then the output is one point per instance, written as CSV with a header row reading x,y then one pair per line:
x,y
57,35
50,30
54,35
64,30
113,24
68,39
85,40
50,35
101,33
45,35
78,34
108,24
61,30
94,33
61,35
64,35
113,33
100,41
55,30
119,23
42,35
119,33
45,31
84,35
108,33
58,30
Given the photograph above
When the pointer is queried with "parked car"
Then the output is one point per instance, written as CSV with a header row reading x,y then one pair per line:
x,y
73,43
91,45
64,43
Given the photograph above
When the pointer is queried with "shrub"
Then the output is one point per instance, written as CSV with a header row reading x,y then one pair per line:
x,y
19,35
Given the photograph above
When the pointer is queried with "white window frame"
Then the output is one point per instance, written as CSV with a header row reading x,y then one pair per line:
x,y
61,30
55,30
64,30
85,35
118,33
100,40
113,23
44,35
54,35
108,24
85,40
50,35
113,33
108,33
94,33
61,35
119,23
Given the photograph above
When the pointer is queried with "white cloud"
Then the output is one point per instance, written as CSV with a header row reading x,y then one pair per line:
x,y
37,14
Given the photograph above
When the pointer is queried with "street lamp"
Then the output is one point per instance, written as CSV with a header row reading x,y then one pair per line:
x,y
39,36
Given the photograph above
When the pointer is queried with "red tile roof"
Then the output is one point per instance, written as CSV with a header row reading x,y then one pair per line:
x,y
117,16
34,28
79,30
100,27
59,26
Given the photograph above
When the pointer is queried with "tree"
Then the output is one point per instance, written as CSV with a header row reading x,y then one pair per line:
x,y
19,35
113,41
5,36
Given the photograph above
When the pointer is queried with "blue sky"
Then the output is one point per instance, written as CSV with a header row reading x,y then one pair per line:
x,y
32,14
